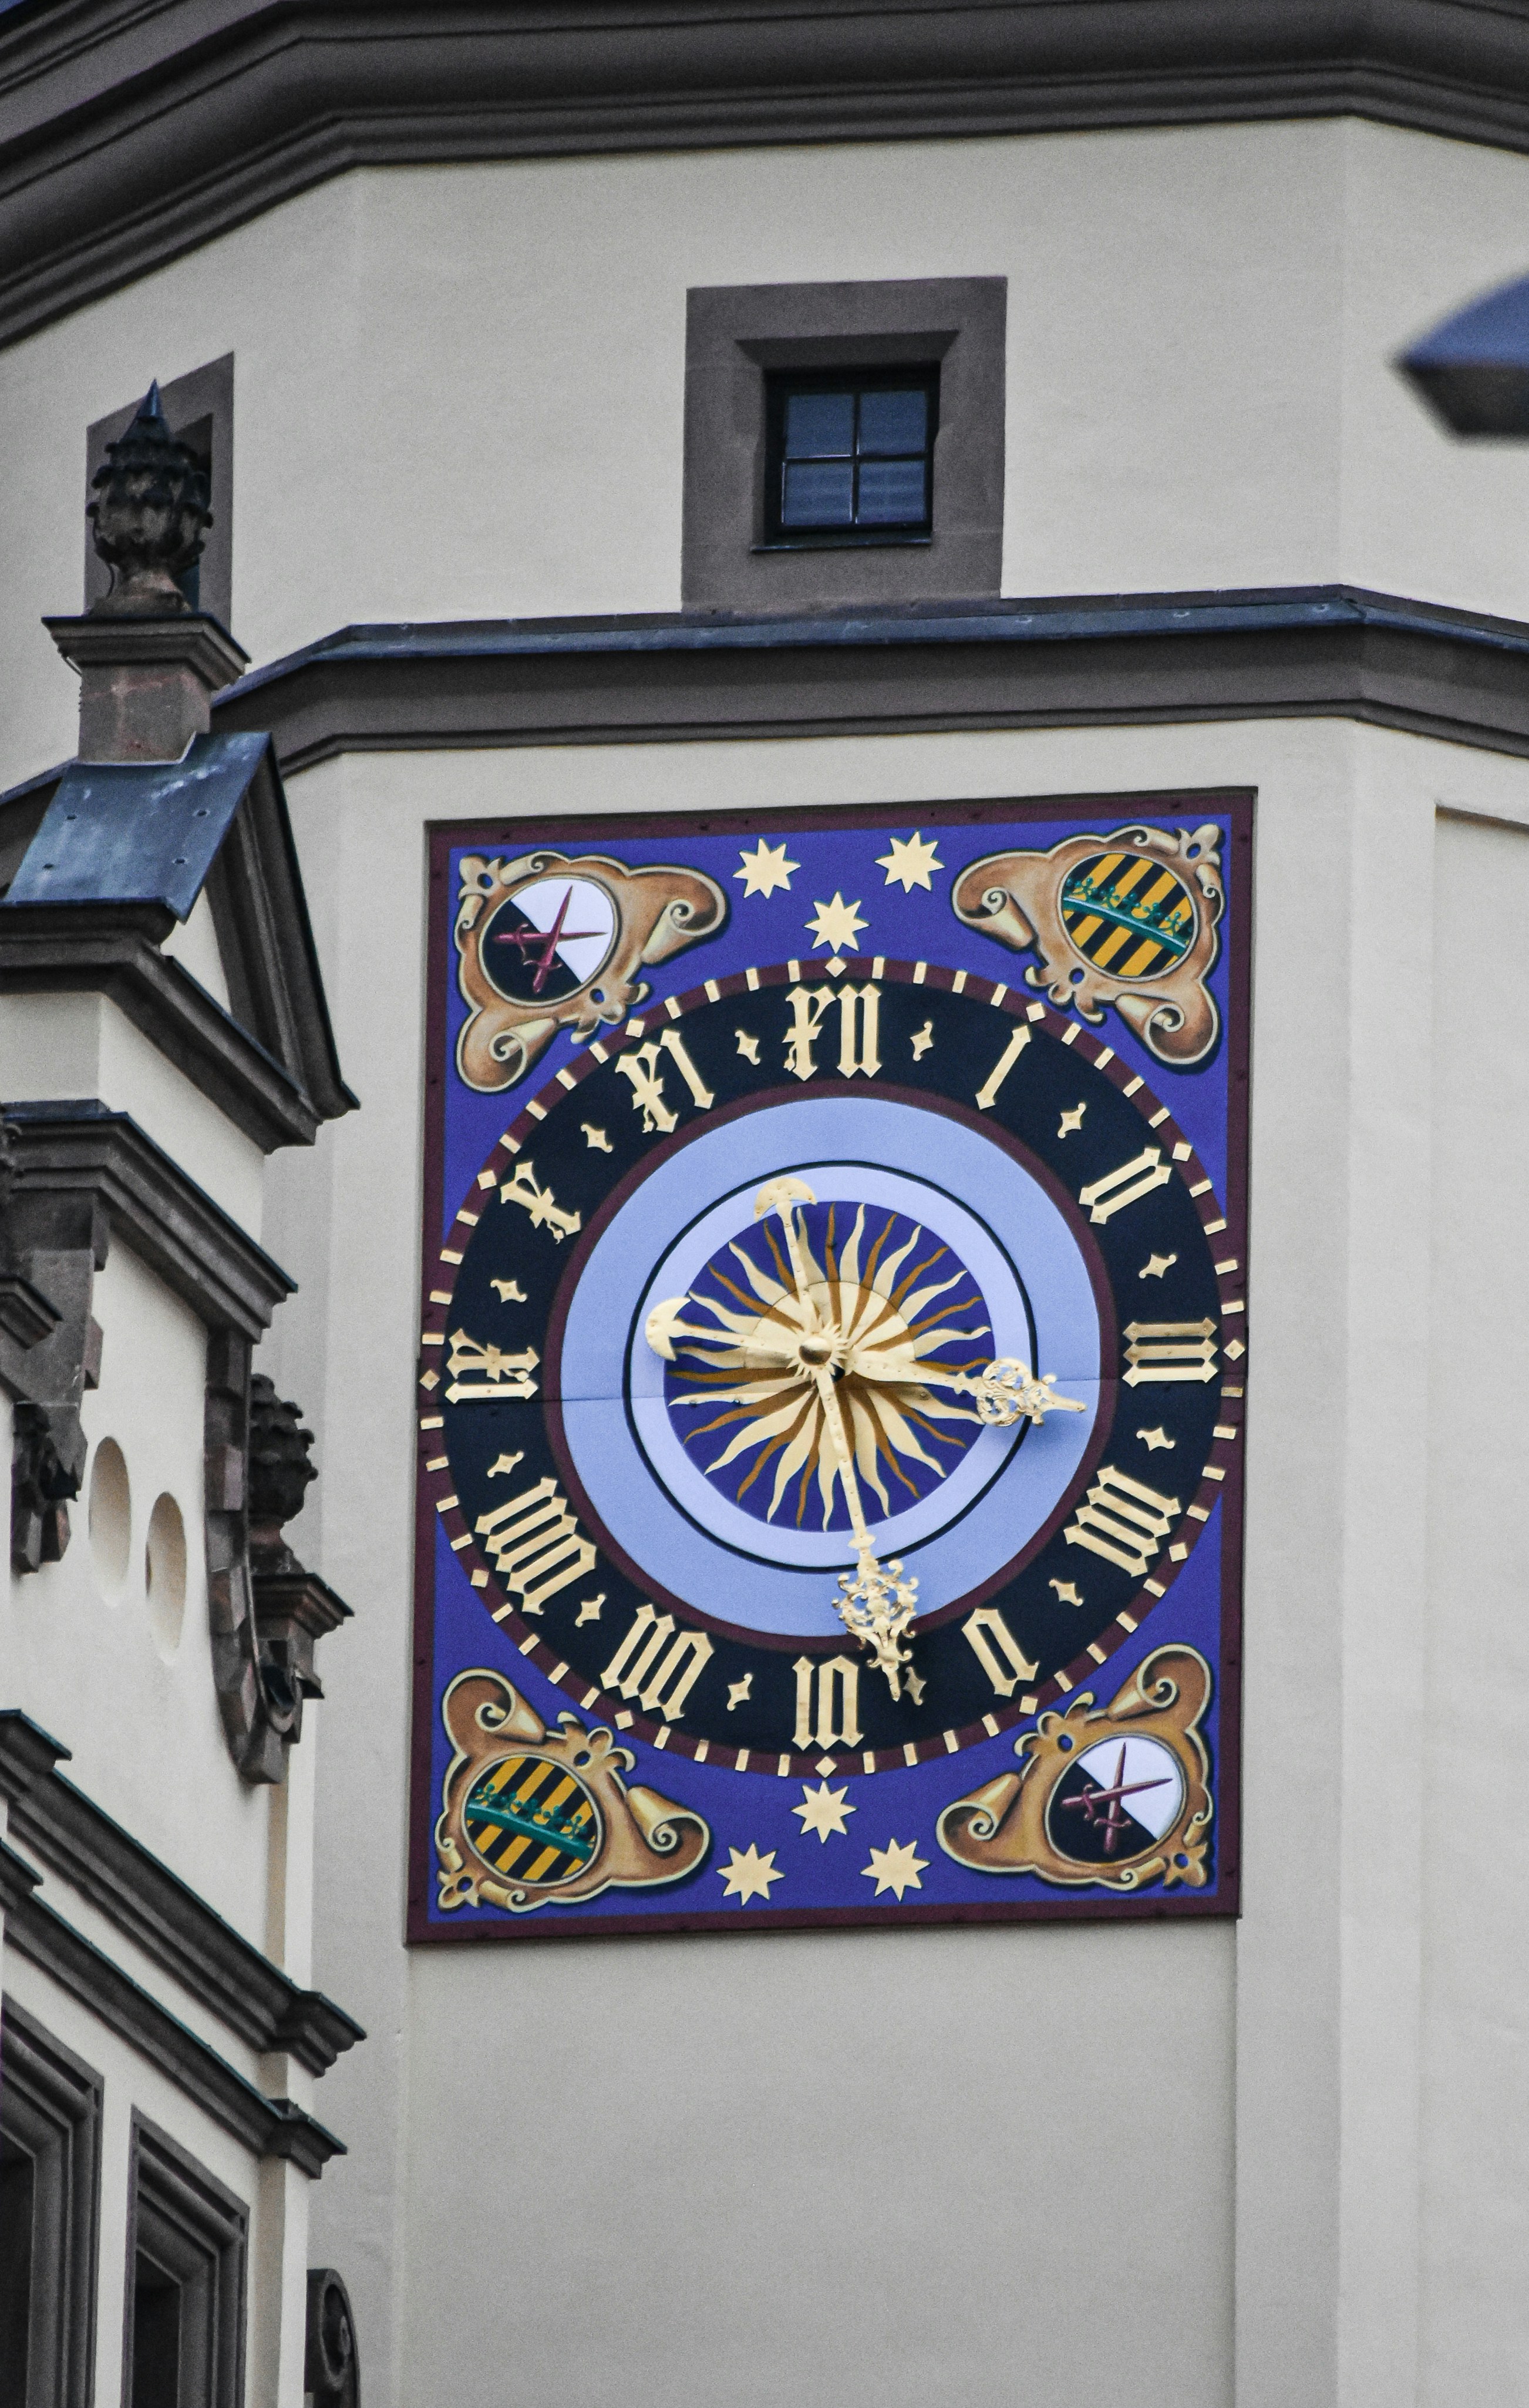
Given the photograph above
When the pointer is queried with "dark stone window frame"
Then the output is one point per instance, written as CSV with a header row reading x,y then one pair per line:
x,y
187,2226
50,2103
736,335
200,407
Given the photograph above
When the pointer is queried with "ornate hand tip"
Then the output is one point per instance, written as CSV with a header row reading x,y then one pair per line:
x,y
658,1327
780,1195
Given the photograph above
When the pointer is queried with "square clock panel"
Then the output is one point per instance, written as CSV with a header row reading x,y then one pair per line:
x,y
834,1355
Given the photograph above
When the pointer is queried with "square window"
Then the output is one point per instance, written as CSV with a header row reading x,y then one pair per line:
x,y
844,443
849,457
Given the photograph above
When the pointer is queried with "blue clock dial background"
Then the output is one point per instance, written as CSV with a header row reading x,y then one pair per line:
x,y
609,1395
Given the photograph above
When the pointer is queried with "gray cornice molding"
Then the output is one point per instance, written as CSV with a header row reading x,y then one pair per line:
x,y
271,2127
132,131
158,1912
114,949
1310,651
76,1159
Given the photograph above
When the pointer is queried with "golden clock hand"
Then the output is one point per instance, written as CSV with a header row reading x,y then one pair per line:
x,y
875,1605
782,1195
663,1325
1005,1392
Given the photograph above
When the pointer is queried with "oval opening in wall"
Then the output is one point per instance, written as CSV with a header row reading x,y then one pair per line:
x,y
110,1516
165,1575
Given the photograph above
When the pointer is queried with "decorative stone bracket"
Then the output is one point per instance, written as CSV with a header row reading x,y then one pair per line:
x,y
266,1610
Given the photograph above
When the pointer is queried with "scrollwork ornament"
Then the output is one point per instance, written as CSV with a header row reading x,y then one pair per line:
x,y
548,942
1130,920
1118,1797
532,1818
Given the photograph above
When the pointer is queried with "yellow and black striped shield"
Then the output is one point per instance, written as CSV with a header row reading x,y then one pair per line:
x,y
531,1819
1127,915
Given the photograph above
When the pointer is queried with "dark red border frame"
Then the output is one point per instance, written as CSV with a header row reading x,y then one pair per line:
x,y
1237,803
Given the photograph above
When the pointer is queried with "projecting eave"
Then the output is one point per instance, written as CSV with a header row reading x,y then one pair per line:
x,y
118,852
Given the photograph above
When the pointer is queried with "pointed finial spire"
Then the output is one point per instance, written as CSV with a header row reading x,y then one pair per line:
x,y
149,517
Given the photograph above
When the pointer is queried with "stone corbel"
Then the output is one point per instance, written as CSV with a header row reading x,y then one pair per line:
x,y
51,1250
267,1611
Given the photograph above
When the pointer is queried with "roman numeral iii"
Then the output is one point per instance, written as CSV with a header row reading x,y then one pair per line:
x,y
1162,1350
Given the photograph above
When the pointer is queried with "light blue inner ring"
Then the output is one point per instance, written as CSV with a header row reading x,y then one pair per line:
x,y
634,1470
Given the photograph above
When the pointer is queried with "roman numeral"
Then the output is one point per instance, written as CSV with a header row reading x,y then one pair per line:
x,y
537,1545
990,1637
526,1190
641,1065
1170,1350
860,1022
987,1094
1135,1179
1123,1520
496,1377
829,1717
659,1675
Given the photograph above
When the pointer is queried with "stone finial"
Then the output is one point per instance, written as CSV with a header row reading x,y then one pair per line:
x,y
280,1468
150,516
149,664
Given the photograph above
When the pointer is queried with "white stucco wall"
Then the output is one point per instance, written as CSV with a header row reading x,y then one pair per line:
x,y
459,390
728,2146
79,1652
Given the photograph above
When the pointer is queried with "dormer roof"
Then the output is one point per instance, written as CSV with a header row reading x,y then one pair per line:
x,y
124,850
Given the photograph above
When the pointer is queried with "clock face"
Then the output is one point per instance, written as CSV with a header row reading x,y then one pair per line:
x,y
827,1371
938,1226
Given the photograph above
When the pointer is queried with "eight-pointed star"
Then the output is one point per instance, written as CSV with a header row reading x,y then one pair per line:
x,y
748,1875
909,862
836,925
764,870
895,1867
822,1810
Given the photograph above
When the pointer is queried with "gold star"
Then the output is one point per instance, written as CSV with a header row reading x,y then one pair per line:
x,y
505,1462
1155,1267
589,1609
1072,1121
748,1875
1065,1593
909,862
595,1138
1153,1438
895,1867
747,1046
923,1040
510,1291
836,925
764,870
739,1690
822,1810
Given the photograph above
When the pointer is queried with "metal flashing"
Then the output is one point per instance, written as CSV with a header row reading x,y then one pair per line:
x,y
138,832
1328,650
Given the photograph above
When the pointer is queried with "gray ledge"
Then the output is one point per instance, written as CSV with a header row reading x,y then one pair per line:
x,y
114,949
76,1159
271,2127
1304,652
132,131
157,1911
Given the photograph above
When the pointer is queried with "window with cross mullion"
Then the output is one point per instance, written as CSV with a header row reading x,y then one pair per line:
x,y
850,457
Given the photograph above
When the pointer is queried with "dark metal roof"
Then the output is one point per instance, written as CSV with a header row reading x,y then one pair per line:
x,y
132,832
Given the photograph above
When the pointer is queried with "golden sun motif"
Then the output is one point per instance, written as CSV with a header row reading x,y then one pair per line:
x,y
825,1368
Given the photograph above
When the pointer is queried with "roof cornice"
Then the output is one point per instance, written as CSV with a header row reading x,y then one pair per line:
x,y
132,131
1114,660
